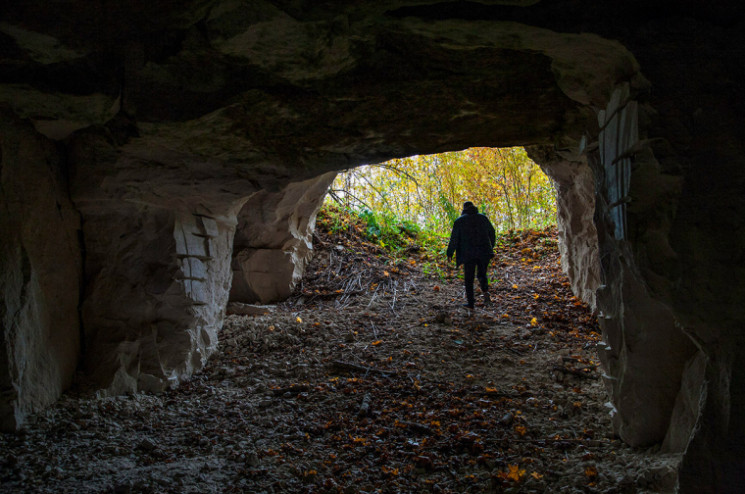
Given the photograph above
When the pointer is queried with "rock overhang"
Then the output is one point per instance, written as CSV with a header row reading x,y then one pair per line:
x,y
174,115
330,89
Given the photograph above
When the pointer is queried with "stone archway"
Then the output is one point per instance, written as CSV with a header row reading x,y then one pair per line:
x,y
157,124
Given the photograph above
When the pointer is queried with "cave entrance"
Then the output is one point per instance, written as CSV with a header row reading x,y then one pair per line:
x,y
422,196
371,374
427,191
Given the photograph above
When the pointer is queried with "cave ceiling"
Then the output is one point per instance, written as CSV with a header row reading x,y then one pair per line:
x,y
291,89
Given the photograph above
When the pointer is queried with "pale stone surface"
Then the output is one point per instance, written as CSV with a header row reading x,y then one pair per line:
x,y
273,240
157,267
40,274
218,101
158,281
575,208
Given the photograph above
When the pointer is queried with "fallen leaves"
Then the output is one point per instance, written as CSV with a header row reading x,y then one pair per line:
x,y
415,397
513,473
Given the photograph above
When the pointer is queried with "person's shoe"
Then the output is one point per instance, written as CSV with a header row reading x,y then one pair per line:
x,y
487,298
468,306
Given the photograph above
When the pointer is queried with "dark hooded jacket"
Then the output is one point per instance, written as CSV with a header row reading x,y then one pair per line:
x,y
473,237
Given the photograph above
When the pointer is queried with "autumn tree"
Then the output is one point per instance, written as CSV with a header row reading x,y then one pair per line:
x,y
428,190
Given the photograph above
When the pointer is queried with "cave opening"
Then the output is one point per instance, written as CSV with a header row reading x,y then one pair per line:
x,y
365,326
138,141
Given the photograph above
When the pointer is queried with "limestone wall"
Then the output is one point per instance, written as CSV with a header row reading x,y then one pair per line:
x,y
273,240
575,208
671,349
644,351
157,266
40,273
157,285
235,101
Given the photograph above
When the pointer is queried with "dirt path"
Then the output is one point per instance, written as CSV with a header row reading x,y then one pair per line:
x,y
372,378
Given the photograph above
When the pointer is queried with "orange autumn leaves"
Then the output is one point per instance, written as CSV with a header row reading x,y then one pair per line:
x,y
516,474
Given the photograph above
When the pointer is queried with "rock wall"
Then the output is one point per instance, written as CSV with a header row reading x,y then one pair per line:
x,y
575,207
644,350
157,267
273,240
233,99
157,284
672,371
40,273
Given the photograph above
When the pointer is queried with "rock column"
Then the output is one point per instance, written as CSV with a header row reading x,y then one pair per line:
x,y
273,241
40,273
157,266
575,208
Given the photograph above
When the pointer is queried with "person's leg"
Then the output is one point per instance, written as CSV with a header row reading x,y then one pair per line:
x,y
481,275
469,269
484,280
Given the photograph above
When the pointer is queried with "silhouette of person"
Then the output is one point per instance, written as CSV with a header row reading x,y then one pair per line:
x,y
472,241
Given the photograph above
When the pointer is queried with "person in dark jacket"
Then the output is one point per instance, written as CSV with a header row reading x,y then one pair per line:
x,y
472,241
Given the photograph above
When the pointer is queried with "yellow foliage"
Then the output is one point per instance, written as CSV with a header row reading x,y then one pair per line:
x,y
429,190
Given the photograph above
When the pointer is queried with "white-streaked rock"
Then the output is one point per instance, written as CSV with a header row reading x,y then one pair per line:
x,y
273,240
40,274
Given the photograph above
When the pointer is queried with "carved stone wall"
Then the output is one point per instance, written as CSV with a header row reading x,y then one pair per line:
x,y
40,273
575,207
172,115
273,240
157,267
644,350
157,285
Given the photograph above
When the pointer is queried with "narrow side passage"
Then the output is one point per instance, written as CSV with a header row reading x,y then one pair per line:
x,y
371,376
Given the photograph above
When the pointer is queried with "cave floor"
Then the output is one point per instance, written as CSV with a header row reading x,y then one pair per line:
x,y
371,378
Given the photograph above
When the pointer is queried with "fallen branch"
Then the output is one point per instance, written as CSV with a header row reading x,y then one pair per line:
x,y
416,427
350,367
576,372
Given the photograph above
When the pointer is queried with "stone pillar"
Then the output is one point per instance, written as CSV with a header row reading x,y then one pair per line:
x,y
157,285
40,273
157,265
644,349
273,240
575,208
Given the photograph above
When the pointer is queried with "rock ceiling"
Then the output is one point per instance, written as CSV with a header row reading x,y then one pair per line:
x,y
141,134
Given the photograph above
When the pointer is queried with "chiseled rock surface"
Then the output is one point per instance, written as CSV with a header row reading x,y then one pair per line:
x,y
578,238
157,266
215,102
40,274
158,282
273,240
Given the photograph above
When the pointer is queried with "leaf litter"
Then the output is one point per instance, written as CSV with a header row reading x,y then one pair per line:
x,y
370,378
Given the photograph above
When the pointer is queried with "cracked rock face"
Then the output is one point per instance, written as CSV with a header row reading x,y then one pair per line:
x,y
40,273
174,150
274,240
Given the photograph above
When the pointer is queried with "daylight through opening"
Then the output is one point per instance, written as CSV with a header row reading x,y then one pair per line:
x,y
426,192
